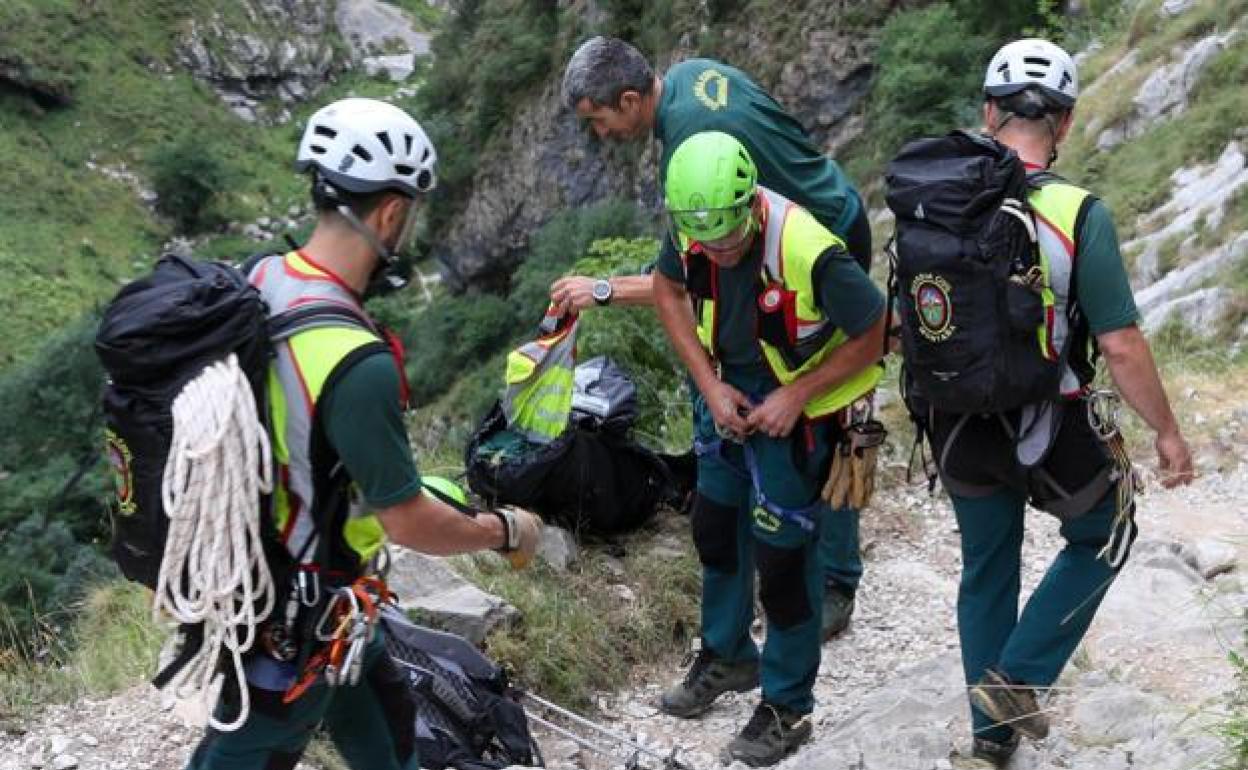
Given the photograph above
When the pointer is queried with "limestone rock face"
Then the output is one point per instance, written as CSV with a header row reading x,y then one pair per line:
x,y
544,162
265,49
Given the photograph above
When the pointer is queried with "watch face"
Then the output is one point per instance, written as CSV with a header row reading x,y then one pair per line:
x,y
602,291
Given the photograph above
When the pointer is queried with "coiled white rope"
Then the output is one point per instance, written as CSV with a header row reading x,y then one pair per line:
x,y
214,570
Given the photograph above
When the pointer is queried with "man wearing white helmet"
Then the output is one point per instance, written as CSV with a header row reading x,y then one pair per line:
x,y
1009,658
336,398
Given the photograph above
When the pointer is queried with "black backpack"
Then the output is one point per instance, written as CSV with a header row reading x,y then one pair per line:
x,y
158,333
594,478
966,276
467,714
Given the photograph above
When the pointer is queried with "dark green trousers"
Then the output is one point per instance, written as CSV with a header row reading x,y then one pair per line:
x,y
371,724
734,537
1031,648
839,547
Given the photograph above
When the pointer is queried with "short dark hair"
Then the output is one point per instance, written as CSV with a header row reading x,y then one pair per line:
x,y
602,69
1029,103
326,198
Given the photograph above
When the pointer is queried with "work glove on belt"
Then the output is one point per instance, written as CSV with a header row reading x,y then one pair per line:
x,y
524,533
851,479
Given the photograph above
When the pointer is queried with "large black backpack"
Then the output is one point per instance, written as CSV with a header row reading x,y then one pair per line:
x,y
467,714
156,335
966,276
594,478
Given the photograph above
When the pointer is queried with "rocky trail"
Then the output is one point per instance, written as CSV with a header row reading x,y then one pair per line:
x,y
1144,690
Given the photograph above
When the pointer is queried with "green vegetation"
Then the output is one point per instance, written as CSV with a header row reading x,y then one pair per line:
x,y
53,483
1133,177
122,650
449,339
189,178
593,627
928,75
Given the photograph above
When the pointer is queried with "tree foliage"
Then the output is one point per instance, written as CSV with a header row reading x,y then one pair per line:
x,y
189,176
929,71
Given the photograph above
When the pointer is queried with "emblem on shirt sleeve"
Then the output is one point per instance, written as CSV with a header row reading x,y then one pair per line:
x,y
711,88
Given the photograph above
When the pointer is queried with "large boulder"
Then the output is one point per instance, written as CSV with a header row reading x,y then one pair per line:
x,y
1165,93
262,51
1200,194
430,587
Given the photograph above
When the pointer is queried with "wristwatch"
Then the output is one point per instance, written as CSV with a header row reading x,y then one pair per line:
x,y
602,291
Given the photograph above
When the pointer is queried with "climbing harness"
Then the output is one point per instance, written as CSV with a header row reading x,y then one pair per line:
x,y
344,629
214,570
1103,410
806,517
629,753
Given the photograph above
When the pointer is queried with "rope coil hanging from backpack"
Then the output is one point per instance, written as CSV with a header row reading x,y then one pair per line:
x,y
214,569
1103,407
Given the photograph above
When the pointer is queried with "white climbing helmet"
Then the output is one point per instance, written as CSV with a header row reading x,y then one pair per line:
x,y
1033,63
366,145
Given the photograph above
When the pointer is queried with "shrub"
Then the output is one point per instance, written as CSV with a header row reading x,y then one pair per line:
x,y
188,177
929,72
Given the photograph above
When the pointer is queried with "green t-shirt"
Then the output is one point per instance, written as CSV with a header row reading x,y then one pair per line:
x,y
364,424
846,296
1102,288
706,95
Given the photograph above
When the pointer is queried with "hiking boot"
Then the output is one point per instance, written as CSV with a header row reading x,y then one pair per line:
x,y
838,607
771,734
994,753
1010,704
708,677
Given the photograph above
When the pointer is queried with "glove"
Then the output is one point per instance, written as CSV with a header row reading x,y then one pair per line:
x,y
836,488
851,481
524,533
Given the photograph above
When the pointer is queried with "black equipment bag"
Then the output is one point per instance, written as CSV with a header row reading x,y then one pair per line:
x,y
966,276
594,478
467,714
156,335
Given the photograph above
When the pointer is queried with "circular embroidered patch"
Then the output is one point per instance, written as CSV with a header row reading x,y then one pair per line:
x,y
119,458
934,306
771,299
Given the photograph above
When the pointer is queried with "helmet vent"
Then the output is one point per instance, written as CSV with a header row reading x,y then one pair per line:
x,y
318,149
384,138
326,132
1037,61
362,154
404,169
407,143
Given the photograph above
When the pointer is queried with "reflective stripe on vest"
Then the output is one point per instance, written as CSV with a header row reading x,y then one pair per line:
x,y
792,241
540,381
303,363
1056,206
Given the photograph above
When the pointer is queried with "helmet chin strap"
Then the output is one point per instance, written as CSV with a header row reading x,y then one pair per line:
x,y
386,276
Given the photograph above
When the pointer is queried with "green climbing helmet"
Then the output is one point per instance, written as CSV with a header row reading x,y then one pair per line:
x,y
445,488
709,186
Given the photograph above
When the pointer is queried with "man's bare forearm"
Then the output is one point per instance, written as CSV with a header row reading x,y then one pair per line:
x,y
1131,365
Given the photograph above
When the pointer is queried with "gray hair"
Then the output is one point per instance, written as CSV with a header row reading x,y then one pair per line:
x,y
602,69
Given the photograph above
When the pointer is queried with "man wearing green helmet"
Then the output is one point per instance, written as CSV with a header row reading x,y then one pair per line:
x,y
609,84
780,330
